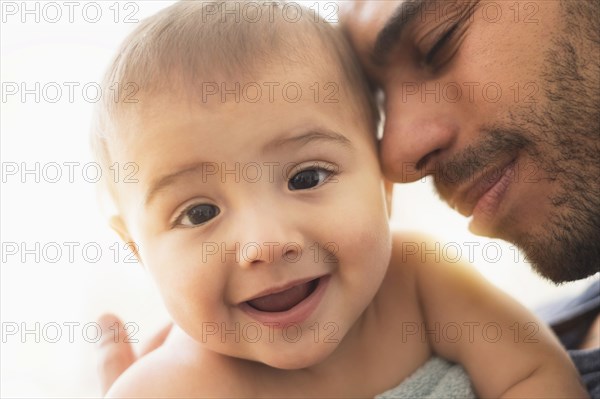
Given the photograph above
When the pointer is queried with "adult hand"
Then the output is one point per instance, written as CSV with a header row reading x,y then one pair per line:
x,y
116,354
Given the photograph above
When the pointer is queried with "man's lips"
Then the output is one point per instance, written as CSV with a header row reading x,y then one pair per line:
x,y
465,200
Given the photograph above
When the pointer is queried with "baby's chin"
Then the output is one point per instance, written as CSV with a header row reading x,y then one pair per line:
x,y
279,355
298,357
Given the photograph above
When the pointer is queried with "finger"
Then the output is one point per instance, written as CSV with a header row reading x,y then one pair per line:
x,y
115,355
157,340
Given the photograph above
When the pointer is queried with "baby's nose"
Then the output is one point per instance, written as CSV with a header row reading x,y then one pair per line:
x,y
255,254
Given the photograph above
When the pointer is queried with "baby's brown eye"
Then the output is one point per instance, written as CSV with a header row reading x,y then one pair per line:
x,y
308,178
198,214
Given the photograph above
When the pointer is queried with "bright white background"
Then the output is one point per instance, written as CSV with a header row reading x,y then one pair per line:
x,y
77,290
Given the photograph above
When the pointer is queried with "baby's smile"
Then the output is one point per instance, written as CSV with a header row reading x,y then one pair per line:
x,y
292,303
283,299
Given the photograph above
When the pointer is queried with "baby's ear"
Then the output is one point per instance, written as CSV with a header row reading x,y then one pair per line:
x,y
118,225
389,195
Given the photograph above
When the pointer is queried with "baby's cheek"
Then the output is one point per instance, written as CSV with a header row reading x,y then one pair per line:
x,y
365,221
367,240
189,287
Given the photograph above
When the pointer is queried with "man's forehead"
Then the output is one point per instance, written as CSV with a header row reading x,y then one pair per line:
x,y
369,6
364,19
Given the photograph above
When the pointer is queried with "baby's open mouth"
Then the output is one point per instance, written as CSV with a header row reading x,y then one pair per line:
x,y
286,299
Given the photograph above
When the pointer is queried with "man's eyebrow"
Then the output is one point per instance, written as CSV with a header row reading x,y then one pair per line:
x,y
162,182
314,135
388,37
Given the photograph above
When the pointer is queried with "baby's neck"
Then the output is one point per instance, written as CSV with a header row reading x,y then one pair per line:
x,y
344,372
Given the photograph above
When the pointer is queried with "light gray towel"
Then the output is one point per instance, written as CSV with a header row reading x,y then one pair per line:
x,y
436,379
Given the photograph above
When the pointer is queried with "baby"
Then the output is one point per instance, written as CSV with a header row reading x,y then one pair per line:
x,y
262,215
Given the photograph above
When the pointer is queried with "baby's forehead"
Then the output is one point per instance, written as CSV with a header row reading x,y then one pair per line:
x,y
279,82
188,56
219,104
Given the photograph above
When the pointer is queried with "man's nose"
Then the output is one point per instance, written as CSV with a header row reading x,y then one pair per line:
x,y
418,130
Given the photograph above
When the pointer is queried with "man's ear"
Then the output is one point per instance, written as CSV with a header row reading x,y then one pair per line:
x,y
389,195
118,225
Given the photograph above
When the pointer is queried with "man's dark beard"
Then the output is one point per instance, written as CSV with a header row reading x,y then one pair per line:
x,y
570,122
562,136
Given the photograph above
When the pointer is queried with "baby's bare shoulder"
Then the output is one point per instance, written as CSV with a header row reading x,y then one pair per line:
x,y
166,373
415,257
159,375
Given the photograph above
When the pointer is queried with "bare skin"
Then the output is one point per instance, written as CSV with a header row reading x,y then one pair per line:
x,y
439,144
424,134
508,161
182,368
114,357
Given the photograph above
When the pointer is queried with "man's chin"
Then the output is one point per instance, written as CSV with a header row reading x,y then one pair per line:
x,y
562,262
558,257
561,276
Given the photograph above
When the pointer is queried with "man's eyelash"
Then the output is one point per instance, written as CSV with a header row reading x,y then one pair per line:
x,y
429,57
456,32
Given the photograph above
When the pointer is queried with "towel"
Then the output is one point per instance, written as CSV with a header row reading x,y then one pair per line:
x,y
436,379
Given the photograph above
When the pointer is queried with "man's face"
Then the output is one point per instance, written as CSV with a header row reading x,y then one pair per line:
x,y
260,220
499,102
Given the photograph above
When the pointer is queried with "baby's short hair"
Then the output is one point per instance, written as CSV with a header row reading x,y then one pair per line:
x,y
191,42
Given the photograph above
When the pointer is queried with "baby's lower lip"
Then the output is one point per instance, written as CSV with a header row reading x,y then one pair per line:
x,y
294,314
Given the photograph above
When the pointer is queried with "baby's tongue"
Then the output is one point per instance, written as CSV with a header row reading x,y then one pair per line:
x,y
283,300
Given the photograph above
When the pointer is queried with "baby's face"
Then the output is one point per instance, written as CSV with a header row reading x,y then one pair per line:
x,y
264,224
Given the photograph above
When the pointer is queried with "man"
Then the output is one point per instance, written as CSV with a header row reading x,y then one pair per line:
x,y
498,101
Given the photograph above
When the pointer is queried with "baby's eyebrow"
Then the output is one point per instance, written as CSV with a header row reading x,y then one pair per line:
x,y
300,140
311,136
165,181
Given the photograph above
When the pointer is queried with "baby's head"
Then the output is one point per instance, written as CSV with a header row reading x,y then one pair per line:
x,y
258,206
